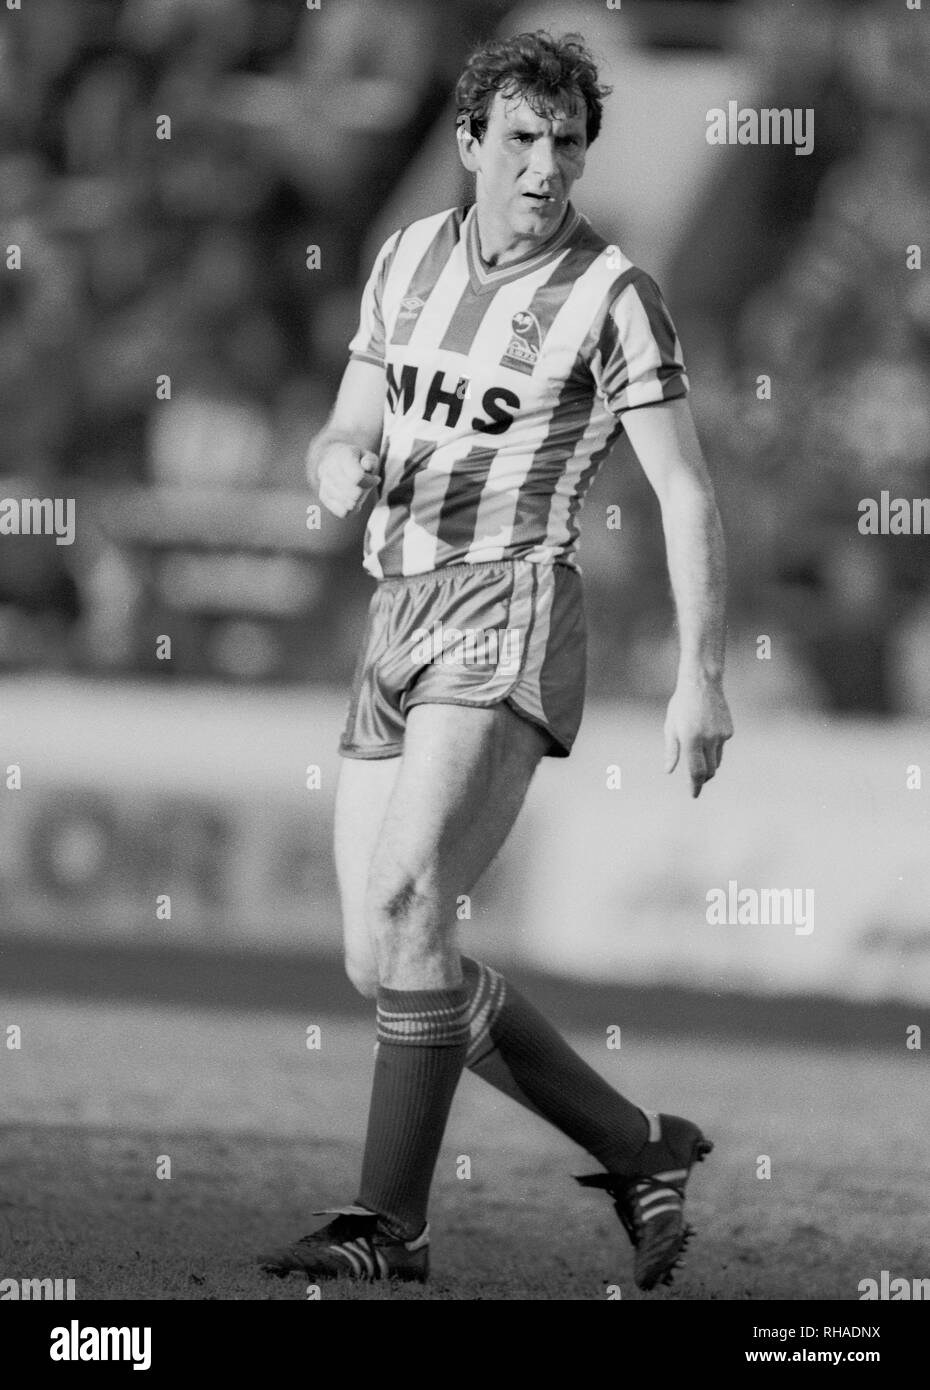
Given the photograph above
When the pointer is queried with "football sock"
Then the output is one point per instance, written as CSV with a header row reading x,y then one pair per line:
x,y
516,1050
422,1042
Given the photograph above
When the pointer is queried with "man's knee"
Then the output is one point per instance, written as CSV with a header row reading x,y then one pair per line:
x,y
398,902
361,962
405,923
363,973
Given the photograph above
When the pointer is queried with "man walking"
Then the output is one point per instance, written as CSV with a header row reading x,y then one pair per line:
x,y
502,349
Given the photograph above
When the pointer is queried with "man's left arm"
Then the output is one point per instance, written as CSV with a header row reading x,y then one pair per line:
x,y
698,720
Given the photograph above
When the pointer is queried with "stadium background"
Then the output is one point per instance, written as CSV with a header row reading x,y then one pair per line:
x,y
209,777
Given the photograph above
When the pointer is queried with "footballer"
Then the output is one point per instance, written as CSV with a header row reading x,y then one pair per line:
x,y
502,349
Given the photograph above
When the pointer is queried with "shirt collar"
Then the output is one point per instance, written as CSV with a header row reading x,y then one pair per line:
x,y
484,276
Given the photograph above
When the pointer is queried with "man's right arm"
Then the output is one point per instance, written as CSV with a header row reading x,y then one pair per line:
x,y
342,461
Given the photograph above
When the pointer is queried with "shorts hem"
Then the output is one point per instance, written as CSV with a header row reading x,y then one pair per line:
x,y
561,747
351,750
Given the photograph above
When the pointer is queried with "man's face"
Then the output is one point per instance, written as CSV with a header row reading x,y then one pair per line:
x,y
526,165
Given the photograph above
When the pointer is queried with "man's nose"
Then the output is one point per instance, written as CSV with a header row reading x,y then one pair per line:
x,y
543,161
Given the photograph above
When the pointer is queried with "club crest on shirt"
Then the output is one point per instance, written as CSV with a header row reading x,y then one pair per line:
x,y
525,340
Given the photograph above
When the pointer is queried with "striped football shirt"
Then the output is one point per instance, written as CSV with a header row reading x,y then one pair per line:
x,y
505,388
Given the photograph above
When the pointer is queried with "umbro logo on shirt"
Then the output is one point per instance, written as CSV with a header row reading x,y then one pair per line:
x,y
525,341
410,306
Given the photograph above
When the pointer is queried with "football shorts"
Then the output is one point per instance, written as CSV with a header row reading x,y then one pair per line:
x,y
470,634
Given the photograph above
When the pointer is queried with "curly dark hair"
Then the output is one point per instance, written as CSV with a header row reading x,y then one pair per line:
x,y
551,73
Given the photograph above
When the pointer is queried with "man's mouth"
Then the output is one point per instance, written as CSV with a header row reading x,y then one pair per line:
x,y
540,197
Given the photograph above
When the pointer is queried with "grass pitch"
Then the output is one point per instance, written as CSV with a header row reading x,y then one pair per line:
x,y
261,1130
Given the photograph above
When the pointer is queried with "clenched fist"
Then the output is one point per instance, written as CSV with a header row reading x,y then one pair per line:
x,y
345,474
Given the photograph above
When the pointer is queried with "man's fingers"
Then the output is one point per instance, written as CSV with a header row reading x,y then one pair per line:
x,y
699,768
343,500
705,763
342,495
361,491
328,495
696,737
335,502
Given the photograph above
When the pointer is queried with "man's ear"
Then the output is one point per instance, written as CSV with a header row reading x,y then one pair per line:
x,y
468,144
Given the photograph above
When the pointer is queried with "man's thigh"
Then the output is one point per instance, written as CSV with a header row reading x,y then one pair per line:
x,y
463,777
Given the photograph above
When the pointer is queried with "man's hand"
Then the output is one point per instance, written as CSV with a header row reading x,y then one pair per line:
x,y
345,474
697,725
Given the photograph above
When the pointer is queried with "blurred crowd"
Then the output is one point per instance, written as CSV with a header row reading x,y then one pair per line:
x,y
833,303
187,258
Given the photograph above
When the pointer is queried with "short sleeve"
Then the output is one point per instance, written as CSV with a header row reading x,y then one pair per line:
x,y
368,343
638,359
